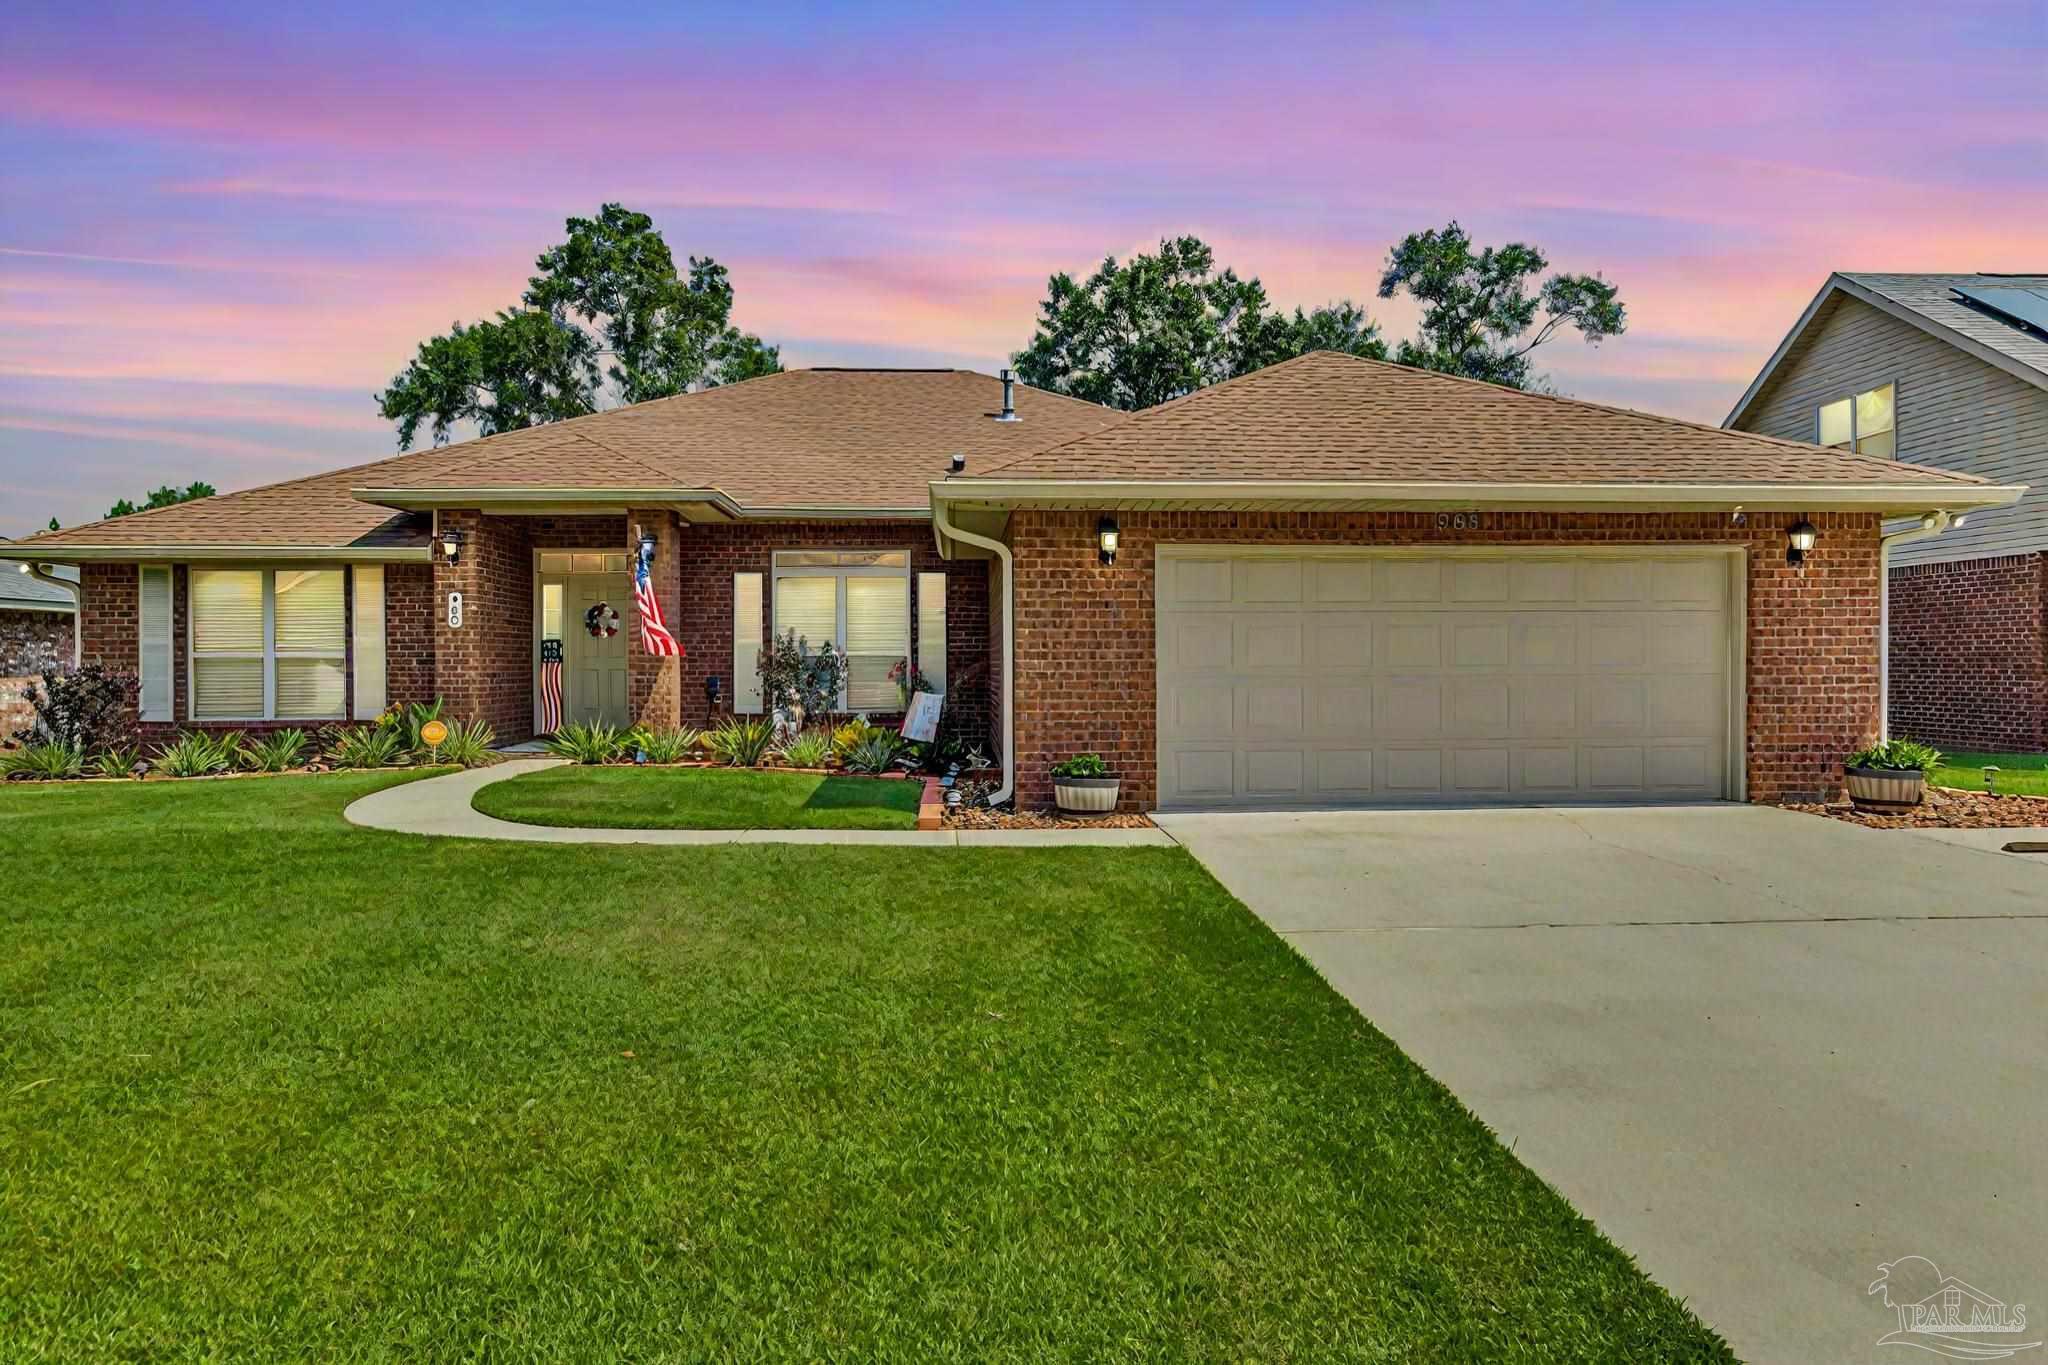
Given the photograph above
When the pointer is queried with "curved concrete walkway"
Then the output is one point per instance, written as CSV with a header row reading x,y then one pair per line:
x,y
440,806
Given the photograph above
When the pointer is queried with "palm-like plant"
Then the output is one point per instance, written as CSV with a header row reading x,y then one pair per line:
x,y
198,754
43,761
367,746
274,753
592,743
742,743
808,750
668,746
468,744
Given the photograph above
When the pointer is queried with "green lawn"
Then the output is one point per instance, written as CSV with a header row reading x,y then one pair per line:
x,y
701,798
2019,774
275,1087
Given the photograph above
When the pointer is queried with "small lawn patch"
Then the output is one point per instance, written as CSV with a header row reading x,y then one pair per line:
x,y
274,1087
701,798
2019,774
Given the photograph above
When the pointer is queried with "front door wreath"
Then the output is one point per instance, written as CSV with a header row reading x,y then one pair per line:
x,y
601,621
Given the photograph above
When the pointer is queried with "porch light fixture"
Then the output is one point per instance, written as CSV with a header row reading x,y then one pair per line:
x,y
1798,541
451,545
647,545
711,690
1106,536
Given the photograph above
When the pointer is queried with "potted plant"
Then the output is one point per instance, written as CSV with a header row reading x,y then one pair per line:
x,y
1084,785
1891,775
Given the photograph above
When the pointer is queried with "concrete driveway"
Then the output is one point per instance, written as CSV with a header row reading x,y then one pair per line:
x,y
1765,1052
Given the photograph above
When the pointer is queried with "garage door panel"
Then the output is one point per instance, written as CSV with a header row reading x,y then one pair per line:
x,y
1269,642
1340,582
1198,642
1393,677
1410,642
1340,642
1409,708
1268,581
1479,707
1273,710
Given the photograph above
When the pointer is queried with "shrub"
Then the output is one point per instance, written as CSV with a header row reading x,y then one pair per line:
x,y
45,760
742,743
119,761
275,752
853,733
1082,765
1899,755
874,754
468,744
668,746
809,749
580,743
89,708
198,754
798,684
408,718
367,746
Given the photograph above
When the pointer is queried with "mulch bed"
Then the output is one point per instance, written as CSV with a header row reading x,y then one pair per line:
x,y
1944,808
984,817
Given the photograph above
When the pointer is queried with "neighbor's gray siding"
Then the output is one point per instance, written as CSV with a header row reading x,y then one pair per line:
x,y
1955,412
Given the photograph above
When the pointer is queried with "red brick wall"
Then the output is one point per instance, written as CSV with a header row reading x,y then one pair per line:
x,y
31,641
1085,632
654,683
711,554
1969,665
408,632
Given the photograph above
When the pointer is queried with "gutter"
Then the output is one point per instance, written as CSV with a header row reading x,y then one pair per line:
x,y
183,554
1932,524
1896,499
942,529
77,592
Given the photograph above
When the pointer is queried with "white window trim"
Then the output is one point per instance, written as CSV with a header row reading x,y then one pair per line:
x,y
270,653
1855,435
841,572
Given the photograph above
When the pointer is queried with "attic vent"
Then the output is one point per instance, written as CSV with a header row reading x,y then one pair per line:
x,y
1009,412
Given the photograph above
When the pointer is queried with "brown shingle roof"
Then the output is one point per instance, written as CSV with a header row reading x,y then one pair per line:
x,y
1334,418
862,440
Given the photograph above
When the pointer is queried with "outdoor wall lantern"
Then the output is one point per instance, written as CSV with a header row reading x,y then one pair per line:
x,y
1106,537
711,690
451,545
1798,541
647,545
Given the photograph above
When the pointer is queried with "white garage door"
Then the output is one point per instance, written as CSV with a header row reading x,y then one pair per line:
x,y
1332,677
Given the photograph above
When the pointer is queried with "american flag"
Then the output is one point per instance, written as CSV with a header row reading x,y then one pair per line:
x,y
550,686
655,637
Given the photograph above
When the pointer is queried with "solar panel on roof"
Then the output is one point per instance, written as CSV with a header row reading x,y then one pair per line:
x,y
2026,308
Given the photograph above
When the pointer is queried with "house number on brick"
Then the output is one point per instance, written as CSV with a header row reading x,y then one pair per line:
x,y
455,611
1460,521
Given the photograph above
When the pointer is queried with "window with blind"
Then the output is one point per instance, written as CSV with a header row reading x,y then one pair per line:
x,y
858,600
268,644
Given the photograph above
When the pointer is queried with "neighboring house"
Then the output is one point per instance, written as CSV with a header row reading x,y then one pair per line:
x,y
1332,581
37,619
1948,371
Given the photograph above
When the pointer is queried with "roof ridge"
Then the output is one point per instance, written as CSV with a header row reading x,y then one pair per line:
x,y
1408,371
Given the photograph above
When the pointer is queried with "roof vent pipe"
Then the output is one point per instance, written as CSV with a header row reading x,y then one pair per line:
x,y
1009,398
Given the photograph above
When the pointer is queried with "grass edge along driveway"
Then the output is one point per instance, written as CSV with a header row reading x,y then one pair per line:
x,y
618,797
274,1086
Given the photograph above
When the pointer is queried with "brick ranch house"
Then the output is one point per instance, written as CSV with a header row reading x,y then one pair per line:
x,y
1334,581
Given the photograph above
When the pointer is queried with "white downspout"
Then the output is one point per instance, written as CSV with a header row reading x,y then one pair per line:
x,y
77,591
944,528
1933,524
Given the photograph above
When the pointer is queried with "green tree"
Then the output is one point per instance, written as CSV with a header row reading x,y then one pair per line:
x,y
605,308
1139,332
165,496
1479,318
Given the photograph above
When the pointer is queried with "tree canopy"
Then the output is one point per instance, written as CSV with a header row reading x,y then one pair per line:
x,y
1141,331
165,496
1479,318
606,316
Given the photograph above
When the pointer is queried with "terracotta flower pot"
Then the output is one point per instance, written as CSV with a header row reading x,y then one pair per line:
x,y
1887,788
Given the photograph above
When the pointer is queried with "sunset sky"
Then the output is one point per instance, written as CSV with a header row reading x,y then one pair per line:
x,y
221,232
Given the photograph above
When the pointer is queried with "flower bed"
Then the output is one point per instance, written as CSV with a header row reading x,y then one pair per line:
x,y
1944,808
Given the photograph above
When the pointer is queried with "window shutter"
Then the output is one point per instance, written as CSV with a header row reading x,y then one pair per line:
x,y
931,629
153,667
746,644
877,638
369,641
